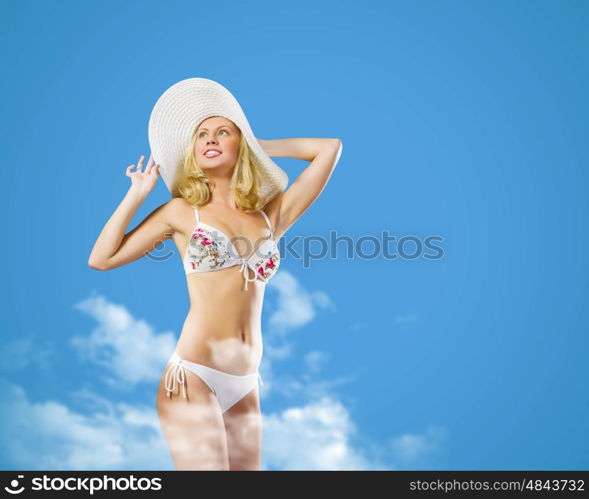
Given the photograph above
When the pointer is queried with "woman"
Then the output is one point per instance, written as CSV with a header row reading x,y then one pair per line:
x,y
226,217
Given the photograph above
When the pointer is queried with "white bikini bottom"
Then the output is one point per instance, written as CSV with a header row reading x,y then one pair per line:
x,y
228,388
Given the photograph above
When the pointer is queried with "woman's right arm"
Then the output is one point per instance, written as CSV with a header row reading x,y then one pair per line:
x,y
114,248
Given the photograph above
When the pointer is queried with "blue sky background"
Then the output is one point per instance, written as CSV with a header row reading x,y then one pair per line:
x,y
463,120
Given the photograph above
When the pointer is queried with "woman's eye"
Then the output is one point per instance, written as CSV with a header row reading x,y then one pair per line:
x,y
204,133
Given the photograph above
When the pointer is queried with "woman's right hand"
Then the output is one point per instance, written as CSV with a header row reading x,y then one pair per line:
x,y
143,183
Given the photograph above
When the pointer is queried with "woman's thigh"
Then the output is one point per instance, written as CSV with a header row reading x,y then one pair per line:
x,y
194,429
243,426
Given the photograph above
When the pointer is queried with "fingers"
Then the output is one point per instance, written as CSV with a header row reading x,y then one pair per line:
x,y
140,163
151,164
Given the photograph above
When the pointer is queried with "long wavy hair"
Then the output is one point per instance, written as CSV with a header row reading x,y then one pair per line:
x,y
196,186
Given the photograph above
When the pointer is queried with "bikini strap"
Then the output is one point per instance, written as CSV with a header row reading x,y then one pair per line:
x,y
196,214
268,222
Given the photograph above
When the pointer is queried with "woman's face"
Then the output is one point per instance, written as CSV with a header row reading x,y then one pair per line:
x,y
217,134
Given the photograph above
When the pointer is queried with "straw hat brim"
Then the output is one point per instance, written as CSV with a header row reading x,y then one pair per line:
x,y
175,116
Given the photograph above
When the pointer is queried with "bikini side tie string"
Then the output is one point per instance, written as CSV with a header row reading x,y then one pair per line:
x,y
175,374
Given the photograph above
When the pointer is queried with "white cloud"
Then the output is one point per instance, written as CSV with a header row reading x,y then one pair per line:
x,y
19,353
319,435
50,435
411,447
316,436
315,360
126,347
296,306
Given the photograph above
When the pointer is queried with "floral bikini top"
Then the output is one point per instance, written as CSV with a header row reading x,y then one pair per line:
x,y
210,249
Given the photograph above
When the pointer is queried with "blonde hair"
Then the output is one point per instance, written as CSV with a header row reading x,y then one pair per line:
x,y
196,186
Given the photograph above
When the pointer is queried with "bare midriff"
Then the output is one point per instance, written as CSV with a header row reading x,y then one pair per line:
x,y
223,327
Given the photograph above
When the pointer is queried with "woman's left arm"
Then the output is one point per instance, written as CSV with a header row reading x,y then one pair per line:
x,y
323,154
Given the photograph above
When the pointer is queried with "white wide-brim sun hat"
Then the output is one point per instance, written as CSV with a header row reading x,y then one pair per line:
x,y
175,116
